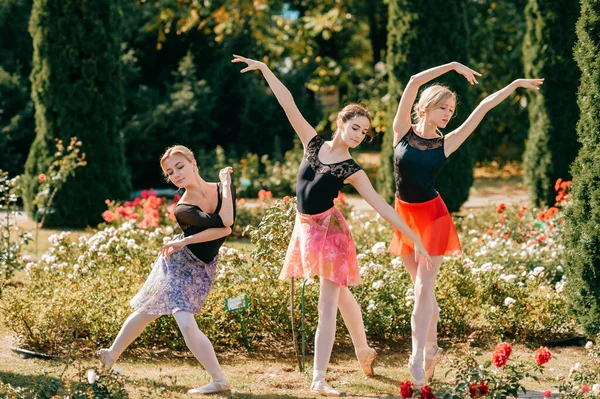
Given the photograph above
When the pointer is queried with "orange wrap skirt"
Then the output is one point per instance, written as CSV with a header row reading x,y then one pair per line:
x,y
432,222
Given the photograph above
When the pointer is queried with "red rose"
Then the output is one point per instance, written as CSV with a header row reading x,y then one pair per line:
x,y
406,389
478,389
341,198
41,177
585,389
557,184
264,195
500,208
426,393
108,216
542,355
501,354
547,393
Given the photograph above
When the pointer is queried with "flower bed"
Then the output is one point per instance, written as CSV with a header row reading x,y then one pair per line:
x,y
507,285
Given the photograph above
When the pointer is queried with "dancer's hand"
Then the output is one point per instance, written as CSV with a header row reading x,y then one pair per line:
x,y
467,72
252,64
171,247
225,175
421,251
531,84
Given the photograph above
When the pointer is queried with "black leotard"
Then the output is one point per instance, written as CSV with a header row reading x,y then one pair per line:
x,y
318,183
193,220
417,163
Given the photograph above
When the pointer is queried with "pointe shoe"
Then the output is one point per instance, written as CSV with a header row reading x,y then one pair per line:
x,y
106,360
366,358
431,361
417,373
213,387
322,388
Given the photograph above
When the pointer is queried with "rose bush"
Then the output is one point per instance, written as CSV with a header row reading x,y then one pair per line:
x,y
509,283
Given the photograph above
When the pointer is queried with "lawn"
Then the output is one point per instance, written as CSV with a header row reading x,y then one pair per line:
x,y
268,373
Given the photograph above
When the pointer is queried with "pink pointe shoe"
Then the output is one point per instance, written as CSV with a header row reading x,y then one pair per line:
x,y
366,358
431,361
417,373
322,388
212,388
106,360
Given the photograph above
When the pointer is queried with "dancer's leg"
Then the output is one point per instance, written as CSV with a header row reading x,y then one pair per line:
x,y
352,315
350,310
203,350
132,328
422,316
325,335
411,267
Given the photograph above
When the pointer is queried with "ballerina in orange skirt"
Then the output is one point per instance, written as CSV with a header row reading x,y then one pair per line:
x,y
420,151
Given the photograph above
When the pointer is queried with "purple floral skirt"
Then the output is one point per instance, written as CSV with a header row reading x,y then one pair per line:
x,y
180,282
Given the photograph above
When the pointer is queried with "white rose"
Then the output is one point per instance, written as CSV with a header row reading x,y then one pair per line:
x,y
509,302
92,376
379,248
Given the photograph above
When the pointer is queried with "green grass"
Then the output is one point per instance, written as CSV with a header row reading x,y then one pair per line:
x,y
269,373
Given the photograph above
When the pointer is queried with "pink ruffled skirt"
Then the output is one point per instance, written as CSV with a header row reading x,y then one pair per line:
x,y
322,245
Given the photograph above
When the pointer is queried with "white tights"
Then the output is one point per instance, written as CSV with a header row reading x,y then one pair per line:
x,y
426,312
331,297
195,340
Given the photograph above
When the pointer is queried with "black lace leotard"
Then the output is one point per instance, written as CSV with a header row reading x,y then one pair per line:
x,y
318,183
417,163
193,220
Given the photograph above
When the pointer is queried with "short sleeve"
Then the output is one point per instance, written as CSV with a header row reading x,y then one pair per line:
x,y
312,150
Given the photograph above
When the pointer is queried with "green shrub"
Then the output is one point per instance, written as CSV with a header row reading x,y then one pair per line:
x,y
582,256
77,92
76,296
548,53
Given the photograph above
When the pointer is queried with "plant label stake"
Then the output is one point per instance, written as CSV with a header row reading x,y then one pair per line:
x,y
235,305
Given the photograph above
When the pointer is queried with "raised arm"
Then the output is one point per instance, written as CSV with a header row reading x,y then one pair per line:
x,y
402,120
304,130
454,139
227,211
363,185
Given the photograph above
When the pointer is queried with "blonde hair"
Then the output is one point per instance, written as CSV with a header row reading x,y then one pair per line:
x,y
352,111
175,149
432,97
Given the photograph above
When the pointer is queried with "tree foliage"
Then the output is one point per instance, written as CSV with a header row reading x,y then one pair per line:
x,y
77,91
547,51
582,240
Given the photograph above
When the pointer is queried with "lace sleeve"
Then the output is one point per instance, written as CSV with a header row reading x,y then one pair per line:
x,y
312,150
345,169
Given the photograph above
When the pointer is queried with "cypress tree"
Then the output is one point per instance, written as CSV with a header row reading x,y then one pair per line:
x,y
582,241
548,53
77,91
421,35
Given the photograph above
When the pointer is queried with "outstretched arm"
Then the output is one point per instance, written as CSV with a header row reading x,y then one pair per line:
x,y
304,130
402,120
363,185
454,139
